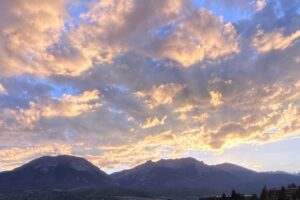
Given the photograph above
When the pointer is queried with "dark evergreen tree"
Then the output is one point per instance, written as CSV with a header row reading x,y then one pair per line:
x,y
254,197
239,196
292,185
233,195
282,194
298,193
264,194
223,196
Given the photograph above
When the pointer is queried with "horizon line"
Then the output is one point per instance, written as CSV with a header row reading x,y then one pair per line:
x,y
106,170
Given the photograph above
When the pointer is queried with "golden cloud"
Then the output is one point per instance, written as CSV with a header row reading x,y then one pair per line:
x,y
29,28
216,98
31,37
70,106
160,95
13,157
211,109
116,25
199,36
67,106
276,40
153,121
268,119
260,4
2,89
173,145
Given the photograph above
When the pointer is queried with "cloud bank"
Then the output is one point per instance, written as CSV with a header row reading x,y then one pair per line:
x,y
123,81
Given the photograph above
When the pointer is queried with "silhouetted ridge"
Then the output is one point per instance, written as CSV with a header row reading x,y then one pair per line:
x,y
164,176
58,171
177,163
171,173
189,173
47,163
232,168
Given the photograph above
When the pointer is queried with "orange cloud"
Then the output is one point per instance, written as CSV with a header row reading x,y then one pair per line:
x,y
13,157
235,96
30,38
2,89
200,36
153,121
115,26
260,4
275,40
160,95
216,98
28,29
70,106
67,106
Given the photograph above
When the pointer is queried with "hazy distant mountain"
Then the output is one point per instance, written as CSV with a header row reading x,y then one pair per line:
x,y
186,172
232,168
196,175
61,171
186,175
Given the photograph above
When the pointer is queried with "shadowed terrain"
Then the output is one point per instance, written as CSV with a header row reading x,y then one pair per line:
x,y
76,178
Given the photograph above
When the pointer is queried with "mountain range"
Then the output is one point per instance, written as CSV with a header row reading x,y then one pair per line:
x,y
186,175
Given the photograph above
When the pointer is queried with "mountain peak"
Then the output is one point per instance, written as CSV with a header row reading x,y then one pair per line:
x,y
187,159
235,169
180,162
64,172
168,173
56,171
47,163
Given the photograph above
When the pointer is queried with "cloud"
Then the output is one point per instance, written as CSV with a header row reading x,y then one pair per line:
x,y
201,117
260,4
200,36
72,51
238,5
150,147
14,156
110,27
57,50
2,89
71,106
66,106
152,122
113,28
160,95
228,132
275,40
28,29
162,78
216,98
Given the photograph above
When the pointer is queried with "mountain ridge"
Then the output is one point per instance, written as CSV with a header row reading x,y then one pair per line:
x,y
62,171
165,175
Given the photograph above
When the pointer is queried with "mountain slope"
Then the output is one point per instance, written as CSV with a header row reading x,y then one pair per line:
x,y
188,173
60,171
232,168
178,176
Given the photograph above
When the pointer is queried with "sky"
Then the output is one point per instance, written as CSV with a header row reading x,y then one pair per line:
x,y
120,82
